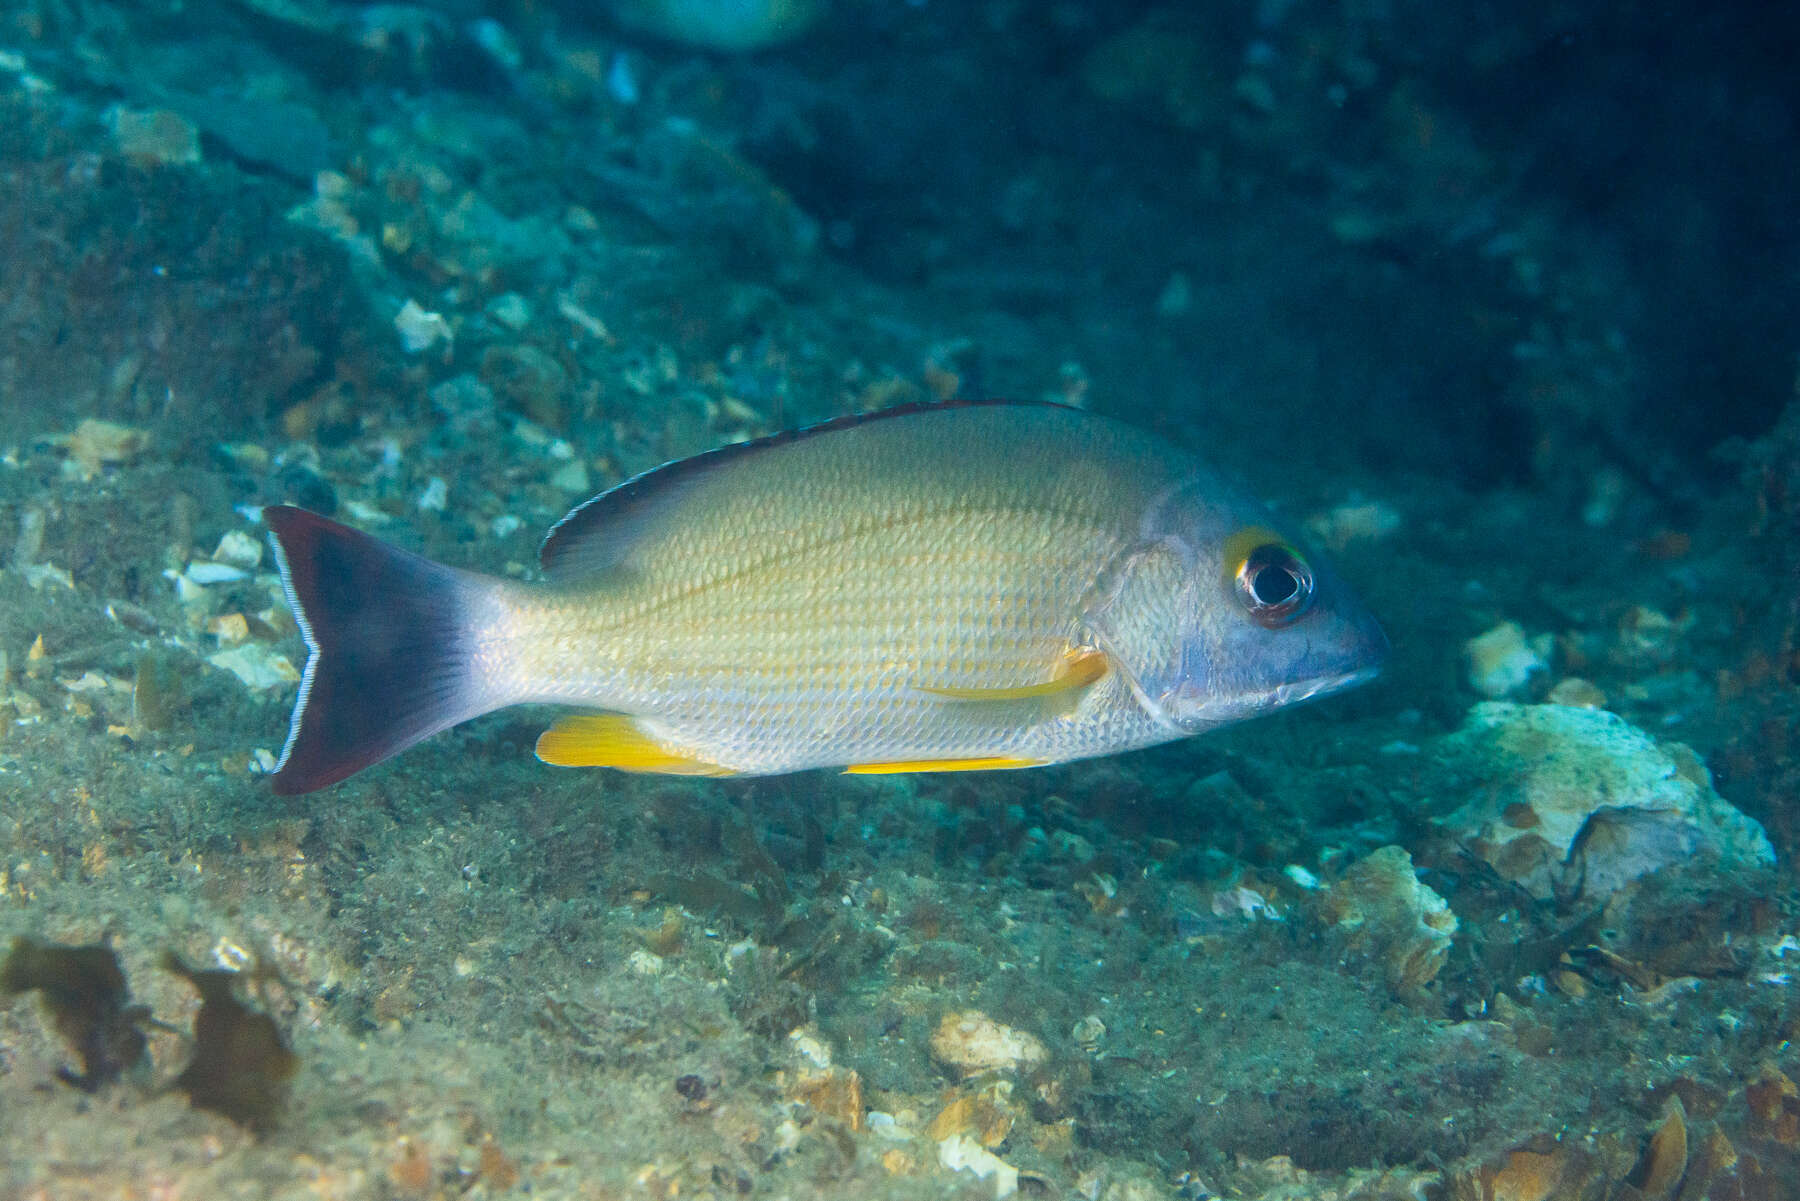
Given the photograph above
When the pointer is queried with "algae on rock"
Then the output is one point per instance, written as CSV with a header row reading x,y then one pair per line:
x,y
1571,802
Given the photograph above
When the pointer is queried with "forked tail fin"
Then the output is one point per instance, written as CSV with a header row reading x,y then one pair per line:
x,y
389,658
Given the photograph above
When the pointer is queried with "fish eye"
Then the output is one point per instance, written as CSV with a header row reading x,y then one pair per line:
x,y
1274,584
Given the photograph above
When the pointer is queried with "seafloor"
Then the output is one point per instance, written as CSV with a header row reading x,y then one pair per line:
x,y
1499,301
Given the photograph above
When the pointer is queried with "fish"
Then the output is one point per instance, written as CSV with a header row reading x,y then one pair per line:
x,y
936,587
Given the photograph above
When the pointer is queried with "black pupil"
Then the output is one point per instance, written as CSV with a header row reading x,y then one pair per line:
x,y
1272,584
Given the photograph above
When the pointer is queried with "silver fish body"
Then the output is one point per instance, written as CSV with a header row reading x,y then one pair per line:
x,y
987,585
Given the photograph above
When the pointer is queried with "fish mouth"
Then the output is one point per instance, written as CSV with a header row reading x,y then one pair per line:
x,y
1296,691
1318,686
1208,714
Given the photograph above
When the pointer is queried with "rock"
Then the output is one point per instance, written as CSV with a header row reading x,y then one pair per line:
x,y
153,137
1569,802
972,1042
230,628
289,139
1502,662
1648,639
572,477
1390,918
528,381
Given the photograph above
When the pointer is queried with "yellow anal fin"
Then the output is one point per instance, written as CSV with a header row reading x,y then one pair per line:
x,y
998,763
614,740
1034,702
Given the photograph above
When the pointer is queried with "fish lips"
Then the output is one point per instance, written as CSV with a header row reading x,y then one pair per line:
x,y
1342,652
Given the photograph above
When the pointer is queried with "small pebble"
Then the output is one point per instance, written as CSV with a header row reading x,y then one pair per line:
x,y
435,497
511,310
1578,692
420,330
1502,662
154,136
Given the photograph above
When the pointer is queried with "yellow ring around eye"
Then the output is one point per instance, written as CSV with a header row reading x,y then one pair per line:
x,y
1253,554
1239,546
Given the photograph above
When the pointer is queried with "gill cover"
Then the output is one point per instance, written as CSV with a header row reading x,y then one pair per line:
x,y
1132,612
1148,609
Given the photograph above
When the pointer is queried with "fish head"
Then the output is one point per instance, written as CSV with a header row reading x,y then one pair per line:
x,y
1216,614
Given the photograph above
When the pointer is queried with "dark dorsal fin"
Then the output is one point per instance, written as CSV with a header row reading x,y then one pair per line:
x,y
597,534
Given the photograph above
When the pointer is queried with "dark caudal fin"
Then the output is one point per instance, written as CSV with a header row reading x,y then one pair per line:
x,y
388,657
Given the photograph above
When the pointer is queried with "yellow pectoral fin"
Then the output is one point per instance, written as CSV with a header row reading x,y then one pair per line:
x,y
614,740
888,769
1031,703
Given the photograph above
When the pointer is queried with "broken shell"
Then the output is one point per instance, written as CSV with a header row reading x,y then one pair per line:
x,y
257,666
1088,1032
96,444
812,1050
1369,521
834,1093
960,1153
972,1042
1390,917
214,573
1658,1174
229,629
986,1116
1528,1176
239,549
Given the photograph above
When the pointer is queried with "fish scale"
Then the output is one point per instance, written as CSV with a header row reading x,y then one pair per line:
x,y
713,659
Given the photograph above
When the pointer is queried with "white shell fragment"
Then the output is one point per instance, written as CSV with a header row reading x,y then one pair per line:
x,y
204,573
960,1153
435,496
258,667
420,330
239,549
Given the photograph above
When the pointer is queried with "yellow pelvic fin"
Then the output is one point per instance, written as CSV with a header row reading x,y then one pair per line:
x,y
888,769
1079,669
615,740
